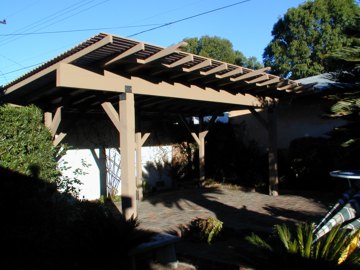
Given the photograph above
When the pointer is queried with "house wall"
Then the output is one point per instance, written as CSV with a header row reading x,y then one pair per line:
x,y
302,118
86,138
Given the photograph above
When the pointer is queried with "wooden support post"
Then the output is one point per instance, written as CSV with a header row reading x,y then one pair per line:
x,y
202,135
273,159
200,140
140,140
271,126
127,150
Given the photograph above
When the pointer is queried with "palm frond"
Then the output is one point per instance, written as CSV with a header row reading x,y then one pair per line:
x,y
257,241
326,243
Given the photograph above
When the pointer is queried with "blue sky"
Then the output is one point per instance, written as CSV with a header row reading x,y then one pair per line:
x,y
48,28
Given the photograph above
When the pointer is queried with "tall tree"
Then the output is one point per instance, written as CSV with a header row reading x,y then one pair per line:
x,y
306,35
346,61
220,49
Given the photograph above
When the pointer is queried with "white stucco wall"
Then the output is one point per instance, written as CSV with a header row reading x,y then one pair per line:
x,y
90,187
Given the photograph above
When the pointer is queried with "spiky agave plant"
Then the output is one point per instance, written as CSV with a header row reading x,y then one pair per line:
x,y
337,249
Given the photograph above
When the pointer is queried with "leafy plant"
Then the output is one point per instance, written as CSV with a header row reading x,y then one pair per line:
x,y
70,185
336,249
201,229
25,143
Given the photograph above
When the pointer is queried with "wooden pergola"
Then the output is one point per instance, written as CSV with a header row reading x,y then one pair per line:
x,y
126,79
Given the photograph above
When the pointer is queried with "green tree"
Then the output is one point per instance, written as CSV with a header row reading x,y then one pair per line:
x,y
25,143
305,36
220,49
346,61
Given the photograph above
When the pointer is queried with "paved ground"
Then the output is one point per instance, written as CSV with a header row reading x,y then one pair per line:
x,y
239,210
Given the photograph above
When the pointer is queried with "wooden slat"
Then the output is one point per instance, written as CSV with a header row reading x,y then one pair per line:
x,y
258,79
201,65
181,61
214,70
287,86
250,74
236,71
138,47
272,81
162,53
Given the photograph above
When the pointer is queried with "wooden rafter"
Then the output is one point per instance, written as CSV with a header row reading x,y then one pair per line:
x,y
184,60
214,70
271,81
165,52
259,79
205,63
250,74
234,72
138,47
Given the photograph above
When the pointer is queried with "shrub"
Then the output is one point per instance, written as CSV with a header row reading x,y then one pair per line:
x,y
25,143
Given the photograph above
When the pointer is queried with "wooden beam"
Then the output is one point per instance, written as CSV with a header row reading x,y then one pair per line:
x,y
286,87
106,40
214,70
201,65
71,76
113,115
258,79
234,72
55,122
144,138
59,138
271,81
250,74
165,52
138,47
181,61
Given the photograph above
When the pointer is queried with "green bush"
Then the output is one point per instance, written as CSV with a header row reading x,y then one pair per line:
x,y
25,143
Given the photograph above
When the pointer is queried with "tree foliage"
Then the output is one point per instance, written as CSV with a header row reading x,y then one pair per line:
x,y
348,58
220,49
305,36
346,61
25,143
